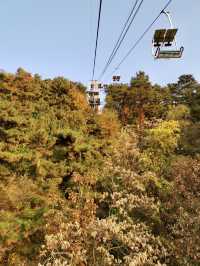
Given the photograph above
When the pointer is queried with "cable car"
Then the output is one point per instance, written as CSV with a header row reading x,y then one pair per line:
x,y
164,44
116,78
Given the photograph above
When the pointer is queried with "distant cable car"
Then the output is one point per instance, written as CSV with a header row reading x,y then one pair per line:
x,y
116,78
166,38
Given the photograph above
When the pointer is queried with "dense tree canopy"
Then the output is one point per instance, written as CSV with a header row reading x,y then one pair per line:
x,y
137,100
120,187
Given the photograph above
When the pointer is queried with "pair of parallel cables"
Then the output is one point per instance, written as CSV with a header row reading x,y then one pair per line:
x,y
136,7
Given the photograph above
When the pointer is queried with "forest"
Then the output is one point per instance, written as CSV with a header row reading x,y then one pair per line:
x,y
82,188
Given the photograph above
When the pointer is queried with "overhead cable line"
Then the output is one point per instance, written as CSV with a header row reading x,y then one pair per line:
x,y
123,34
142,36
97,38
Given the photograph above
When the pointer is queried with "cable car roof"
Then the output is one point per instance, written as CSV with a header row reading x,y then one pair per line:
x,y
164,36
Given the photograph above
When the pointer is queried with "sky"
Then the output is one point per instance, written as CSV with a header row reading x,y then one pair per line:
x,y
57,38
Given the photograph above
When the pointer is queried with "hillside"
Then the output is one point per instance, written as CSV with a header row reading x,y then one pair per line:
x,y
117,188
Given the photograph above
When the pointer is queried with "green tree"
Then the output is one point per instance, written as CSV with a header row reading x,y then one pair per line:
x,y
160,144
138,101
118,99
187,91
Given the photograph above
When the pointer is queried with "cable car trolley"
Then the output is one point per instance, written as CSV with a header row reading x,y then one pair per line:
x,y
116,78
164,45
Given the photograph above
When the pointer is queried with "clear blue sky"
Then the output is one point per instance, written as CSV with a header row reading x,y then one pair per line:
x,y
57,38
